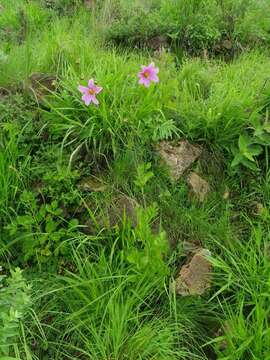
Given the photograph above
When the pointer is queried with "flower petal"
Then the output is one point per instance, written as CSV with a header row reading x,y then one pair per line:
x,y
91,83
144,81
94,100
82,89
98,89
87,98
154,78
152,69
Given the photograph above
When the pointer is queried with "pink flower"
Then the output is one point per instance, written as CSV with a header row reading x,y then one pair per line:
x,y
148,74
90,92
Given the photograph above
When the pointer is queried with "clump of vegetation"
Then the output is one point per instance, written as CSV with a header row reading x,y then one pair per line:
x,y
219,28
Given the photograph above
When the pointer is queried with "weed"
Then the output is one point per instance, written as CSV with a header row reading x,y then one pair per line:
x,y
14,303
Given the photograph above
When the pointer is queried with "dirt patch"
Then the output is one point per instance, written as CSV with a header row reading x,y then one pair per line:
x,y
157,43
89,4
40,85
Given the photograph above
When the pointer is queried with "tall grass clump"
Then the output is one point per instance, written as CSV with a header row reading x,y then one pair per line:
x,y
13,166
127,113
117,305
242,273
217,102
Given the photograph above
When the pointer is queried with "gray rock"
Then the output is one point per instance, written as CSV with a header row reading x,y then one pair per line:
x,y
194,277
122,206
178,157
91,184
199,187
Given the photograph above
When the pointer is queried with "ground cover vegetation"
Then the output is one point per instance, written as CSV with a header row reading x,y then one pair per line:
x,y
134,207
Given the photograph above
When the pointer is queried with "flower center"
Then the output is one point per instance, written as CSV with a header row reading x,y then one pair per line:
x,y
91,92
146,74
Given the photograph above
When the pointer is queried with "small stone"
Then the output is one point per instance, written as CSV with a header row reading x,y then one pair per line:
x,y
199,186
194,277
191,246
178,157
121,206
258,208
227,44
226,194
91,184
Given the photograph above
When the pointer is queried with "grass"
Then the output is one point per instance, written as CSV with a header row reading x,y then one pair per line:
x,y
97,280
223,28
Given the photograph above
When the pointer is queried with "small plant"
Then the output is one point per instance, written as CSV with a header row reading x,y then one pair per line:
x,y
250,146
14,302
162,128
149,248
247,149
41,230
144,174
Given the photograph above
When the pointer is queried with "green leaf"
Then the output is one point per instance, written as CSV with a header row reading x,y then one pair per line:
x,y
243,142
25,220
51,225
249,164
237,160
258,131
143,175
249,156
46,251
255,150
263,139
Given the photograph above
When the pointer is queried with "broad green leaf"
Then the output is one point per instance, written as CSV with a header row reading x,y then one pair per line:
x,y
243,142
248,155
237,160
